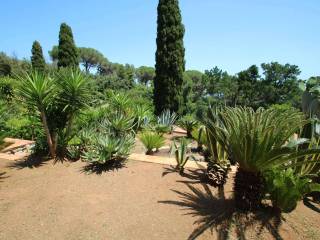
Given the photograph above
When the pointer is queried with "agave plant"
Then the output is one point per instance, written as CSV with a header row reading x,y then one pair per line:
x,y
108,149
167,119
180,151
151,141
258,142
188,123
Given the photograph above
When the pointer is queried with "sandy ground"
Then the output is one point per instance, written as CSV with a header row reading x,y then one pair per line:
x,y
62,201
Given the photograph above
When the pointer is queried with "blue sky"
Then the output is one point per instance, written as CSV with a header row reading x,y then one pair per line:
x,y
229,34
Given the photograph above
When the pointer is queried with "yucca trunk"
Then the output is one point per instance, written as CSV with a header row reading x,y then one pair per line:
x,y
248,190
49,138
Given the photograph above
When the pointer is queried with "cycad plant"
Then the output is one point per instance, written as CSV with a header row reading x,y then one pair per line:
x,y
151,141
180,151
188,123
257,140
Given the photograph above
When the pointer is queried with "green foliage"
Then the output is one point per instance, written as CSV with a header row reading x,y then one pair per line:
x,y
68,55
188,123
151,141
6,88
180,151
37,59
286,188
170,63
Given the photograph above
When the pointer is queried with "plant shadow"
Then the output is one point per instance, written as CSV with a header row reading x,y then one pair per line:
x,y
194,176
3,176
32,161
311,204
219,214
99,169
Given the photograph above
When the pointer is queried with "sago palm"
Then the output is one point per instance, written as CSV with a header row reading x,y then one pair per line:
x,y
258,142
38,91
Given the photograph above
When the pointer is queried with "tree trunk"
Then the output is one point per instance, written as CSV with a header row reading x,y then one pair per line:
x,y
49,139
248,190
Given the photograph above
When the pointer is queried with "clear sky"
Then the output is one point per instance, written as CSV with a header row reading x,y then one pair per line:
x,y
230,34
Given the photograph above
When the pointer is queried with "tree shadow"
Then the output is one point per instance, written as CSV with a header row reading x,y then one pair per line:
x,y
95,168
219,214
3,176
32,161
312,205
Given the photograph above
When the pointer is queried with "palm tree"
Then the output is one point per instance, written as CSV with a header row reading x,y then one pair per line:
x,y
258,142
37,91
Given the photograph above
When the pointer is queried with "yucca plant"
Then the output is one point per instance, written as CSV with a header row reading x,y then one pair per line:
x,y
38,91
188,123
257,140
180,151
73,94
151,141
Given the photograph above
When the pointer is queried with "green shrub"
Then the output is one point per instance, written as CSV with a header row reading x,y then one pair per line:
x,y
151,141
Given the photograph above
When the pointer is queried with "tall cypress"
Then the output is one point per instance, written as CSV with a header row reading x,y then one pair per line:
x,y
170,63
37,59
67,50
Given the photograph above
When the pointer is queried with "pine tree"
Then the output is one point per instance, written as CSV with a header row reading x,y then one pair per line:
x,y
67,50
170,63
37,59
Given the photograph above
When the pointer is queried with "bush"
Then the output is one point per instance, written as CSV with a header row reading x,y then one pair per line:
x,y
151,141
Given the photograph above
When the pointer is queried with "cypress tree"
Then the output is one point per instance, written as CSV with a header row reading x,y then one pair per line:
x,y
170,63
37,59
67,50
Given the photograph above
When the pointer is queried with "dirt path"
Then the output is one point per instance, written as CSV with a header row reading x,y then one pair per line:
x,y
136,202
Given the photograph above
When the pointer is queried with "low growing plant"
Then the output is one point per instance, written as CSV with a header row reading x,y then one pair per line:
x,y
151,141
